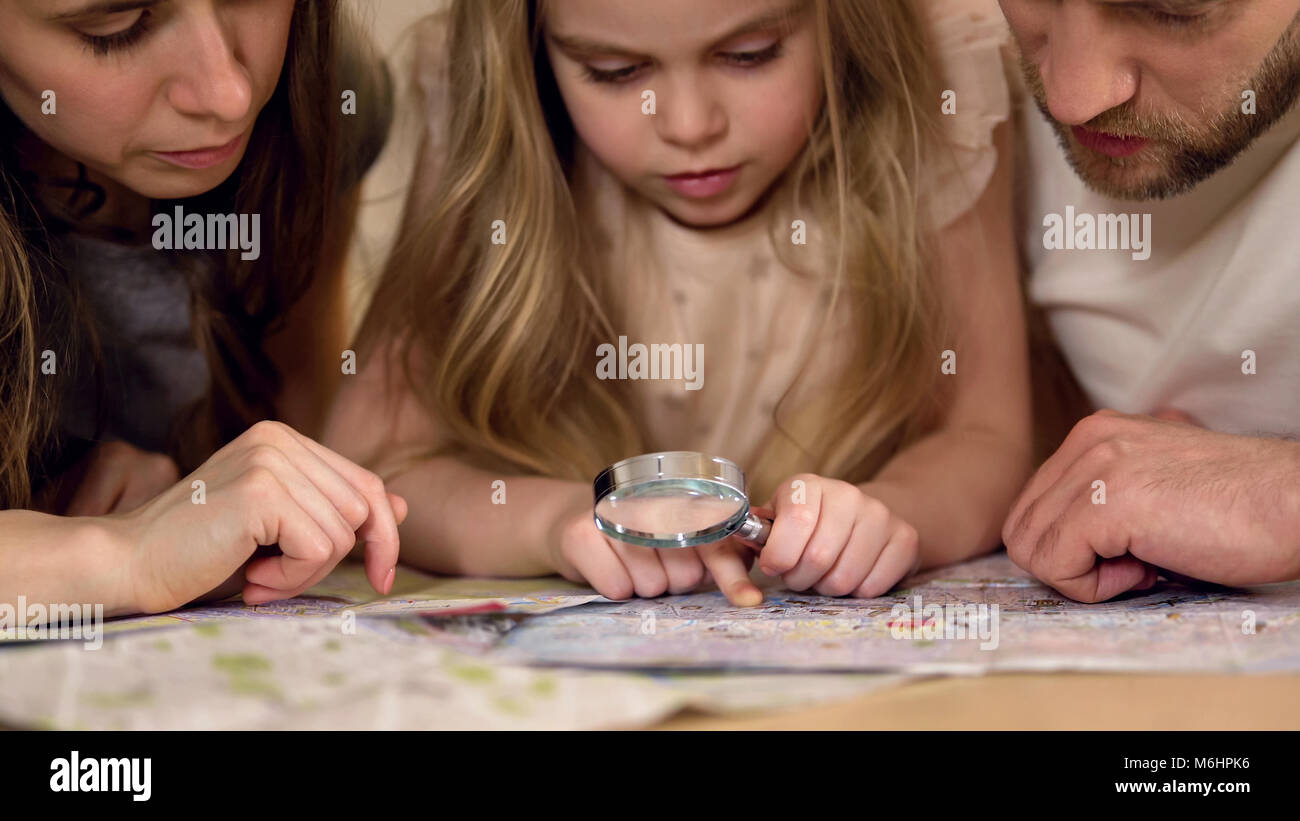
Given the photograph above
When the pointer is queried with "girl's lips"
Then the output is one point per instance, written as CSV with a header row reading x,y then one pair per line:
x,y
1108,144
203,157
704,185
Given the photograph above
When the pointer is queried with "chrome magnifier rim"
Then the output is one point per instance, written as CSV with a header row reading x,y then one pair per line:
x,y
680,465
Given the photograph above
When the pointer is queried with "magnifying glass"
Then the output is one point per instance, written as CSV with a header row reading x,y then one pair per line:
x,y
676,499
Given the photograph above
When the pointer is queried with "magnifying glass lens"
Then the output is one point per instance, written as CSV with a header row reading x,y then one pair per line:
x,y
673,510
675,499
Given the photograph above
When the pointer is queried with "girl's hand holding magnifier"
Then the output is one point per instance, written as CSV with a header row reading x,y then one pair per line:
x,y
582,553
664,523
832,537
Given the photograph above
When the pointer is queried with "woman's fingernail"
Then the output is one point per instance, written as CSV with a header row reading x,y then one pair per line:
x,y
388,580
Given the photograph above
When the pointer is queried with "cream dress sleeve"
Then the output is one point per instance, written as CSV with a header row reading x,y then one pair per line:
x,y
431,86
969,37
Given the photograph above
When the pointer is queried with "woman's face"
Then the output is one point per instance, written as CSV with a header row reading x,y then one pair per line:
x,y
659,89
157,95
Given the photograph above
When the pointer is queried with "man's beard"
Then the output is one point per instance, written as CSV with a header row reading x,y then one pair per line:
x,y
1180,154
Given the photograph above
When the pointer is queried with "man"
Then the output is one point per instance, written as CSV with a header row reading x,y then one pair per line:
x,y
1162,213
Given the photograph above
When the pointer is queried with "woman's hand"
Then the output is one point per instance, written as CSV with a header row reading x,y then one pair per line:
x,y
581,553
832,537
114,477
271,486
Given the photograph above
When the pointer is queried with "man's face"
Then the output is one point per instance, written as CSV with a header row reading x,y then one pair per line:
x,y
1149,97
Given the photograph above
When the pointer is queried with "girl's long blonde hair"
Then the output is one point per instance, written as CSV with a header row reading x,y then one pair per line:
x,y
498,341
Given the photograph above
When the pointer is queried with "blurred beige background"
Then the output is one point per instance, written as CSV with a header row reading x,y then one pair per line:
x,y
384,188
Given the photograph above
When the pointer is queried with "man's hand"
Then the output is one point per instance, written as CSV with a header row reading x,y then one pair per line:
x,y
1127,496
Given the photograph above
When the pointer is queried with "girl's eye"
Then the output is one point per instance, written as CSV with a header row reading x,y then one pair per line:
x,y
744,59
118,32
753,58
605,75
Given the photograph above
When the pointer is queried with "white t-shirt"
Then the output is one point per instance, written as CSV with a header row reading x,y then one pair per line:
x,y
1218,296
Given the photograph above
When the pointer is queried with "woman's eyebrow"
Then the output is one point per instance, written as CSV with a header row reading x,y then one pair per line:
x,y
778,17
104,7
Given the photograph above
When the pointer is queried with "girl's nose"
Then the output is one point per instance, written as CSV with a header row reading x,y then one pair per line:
x,y
689,116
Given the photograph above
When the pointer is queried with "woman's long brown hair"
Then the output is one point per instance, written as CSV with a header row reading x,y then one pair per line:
x,y
289,175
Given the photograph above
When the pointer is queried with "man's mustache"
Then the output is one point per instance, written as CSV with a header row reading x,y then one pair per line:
x,y
1121,121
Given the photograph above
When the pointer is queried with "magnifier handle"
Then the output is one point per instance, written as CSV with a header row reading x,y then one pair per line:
x,y
755,530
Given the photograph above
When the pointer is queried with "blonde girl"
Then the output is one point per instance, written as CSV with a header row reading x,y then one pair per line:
x,y
815,194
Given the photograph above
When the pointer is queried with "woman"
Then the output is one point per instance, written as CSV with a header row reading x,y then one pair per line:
x,y
133,349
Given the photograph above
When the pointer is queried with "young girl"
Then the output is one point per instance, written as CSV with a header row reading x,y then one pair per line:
x,y
766,182
127,362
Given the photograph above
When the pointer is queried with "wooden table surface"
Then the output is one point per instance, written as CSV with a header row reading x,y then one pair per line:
x,y
1045,701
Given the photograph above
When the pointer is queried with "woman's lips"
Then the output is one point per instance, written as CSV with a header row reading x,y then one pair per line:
x,y
202,157
704,184
1108,144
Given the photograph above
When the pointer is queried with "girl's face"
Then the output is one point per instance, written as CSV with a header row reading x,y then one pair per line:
x,y
157,95
660,91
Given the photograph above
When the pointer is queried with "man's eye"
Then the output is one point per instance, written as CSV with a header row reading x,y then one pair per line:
x,y
116,32
1175,20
